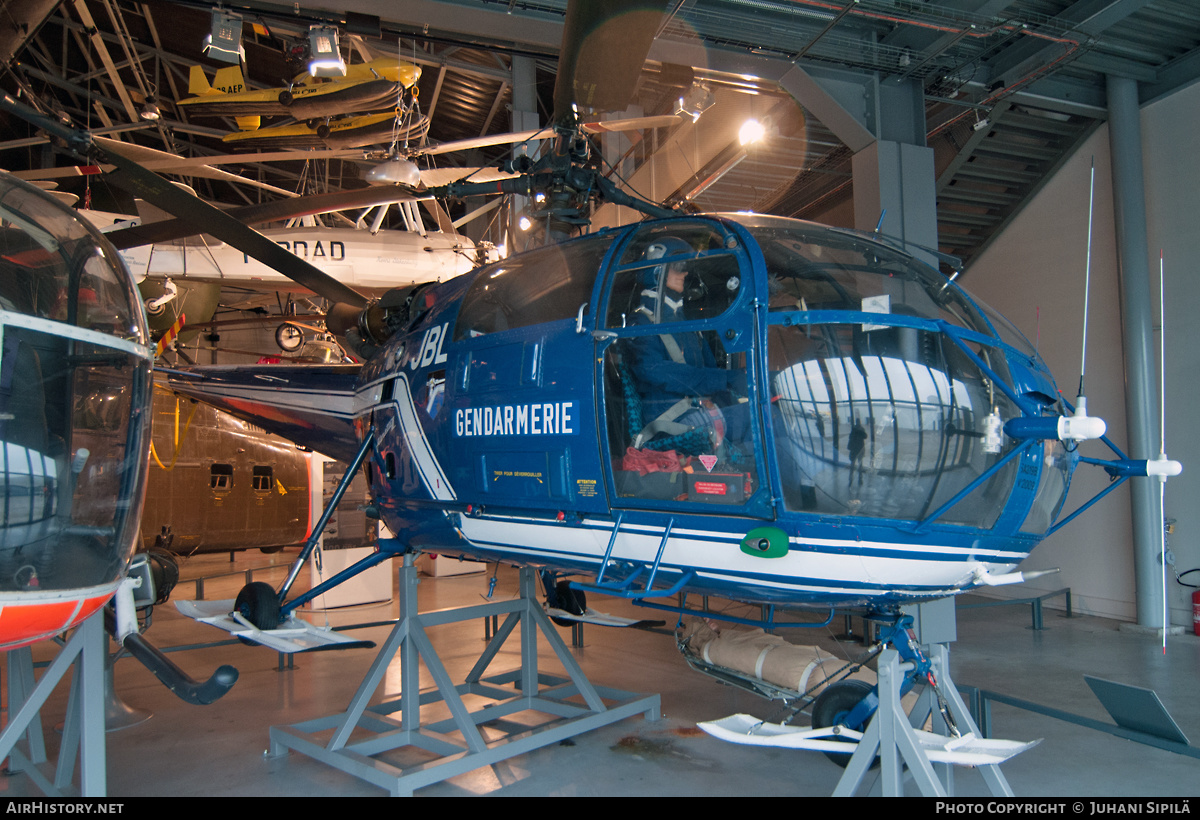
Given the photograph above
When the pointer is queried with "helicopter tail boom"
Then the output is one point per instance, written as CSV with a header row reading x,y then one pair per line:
x,y
312,406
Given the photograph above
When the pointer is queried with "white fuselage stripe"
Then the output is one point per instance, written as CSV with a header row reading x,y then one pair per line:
x,y
849,569
323,403
413,432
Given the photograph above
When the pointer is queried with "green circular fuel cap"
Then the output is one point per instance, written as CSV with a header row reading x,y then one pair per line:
x,y
765,542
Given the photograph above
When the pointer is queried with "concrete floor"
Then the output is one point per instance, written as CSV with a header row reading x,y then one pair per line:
x,y
220,749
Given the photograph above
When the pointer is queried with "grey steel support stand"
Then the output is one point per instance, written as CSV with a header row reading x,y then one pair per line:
x,y
550,708
83,731
890,735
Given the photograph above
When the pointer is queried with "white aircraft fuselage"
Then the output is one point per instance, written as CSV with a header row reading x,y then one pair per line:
x,y
364,261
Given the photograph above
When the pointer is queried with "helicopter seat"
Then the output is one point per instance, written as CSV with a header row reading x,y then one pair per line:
x,y
662,433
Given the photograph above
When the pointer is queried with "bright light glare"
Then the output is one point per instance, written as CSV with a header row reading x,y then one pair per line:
x,y
524,223
751,131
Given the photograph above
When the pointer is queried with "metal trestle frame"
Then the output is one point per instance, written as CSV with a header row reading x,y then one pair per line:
x,y
83,731
530,708
891,735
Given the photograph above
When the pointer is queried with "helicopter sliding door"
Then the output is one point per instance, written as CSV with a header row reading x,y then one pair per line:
x,y
519,404
675,354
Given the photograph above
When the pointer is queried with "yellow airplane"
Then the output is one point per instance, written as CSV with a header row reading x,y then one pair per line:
x,y
347,132
366,87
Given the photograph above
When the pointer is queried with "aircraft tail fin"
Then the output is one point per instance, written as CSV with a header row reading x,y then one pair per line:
x,y
248,123
229,80
198,83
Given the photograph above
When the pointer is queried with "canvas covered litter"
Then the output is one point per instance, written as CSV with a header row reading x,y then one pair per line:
x,y
765,657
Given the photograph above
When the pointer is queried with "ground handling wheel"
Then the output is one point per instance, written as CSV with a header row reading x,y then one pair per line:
x,y
833,706
258,604
560,595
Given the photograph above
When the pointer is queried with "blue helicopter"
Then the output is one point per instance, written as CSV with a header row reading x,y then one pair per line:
x,y
746,406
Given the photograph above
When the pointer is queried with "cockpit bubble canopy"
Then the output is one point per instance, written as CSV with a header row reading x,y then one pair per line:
x,y
75,380
897,417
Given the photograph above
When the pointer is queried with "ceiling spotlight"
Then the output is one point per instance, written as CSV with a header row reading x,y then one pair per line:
x,y
751,131
150,111
224,43
395,171
980,124
524,223
324,57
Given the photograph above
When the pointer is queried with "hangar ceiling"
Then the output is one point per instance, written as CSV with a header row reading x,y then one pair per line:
x,y
1009,87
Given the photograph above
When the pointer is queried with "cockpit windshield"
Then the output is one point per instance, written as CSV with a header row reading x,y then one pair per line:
x,y
55,266
811,267
880,418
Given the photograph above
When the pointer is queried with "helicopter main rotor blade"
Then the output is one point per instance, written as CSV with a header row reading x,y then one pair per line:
x,y
169,229
169,197
482,142
604,45
631,124
208,219
163,162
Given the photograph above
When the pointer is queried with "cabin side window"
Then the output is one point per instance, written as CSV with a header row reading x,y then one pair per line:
x,y
545,285
263,478
220,477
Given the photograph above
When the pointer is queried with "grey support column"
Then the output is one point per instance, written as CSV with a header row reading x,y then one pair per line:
x,y
896,172
524,118
1129,206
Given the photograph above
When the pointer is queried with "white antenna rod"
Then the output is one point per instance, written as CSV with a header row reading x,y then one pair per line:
x,y
1162,441
1087,278
1162,361
1081,426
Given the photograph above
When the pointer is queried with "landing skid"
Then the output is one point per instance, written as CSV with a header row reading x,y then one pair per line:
x,y
293,635
532,708
901,749
591,616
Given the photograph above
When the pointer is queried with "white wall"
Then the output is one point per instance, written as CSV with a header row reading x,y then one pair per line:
x,y
1039,263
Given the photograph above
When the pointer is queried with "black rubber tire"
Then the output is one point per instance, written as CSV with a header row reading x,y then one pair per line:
x,y
258,604
832,706
289,337
285,98
569,600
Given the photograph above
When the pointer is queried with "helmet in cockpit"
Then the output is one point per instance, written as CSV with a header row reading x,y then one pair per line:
x,y
666,287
